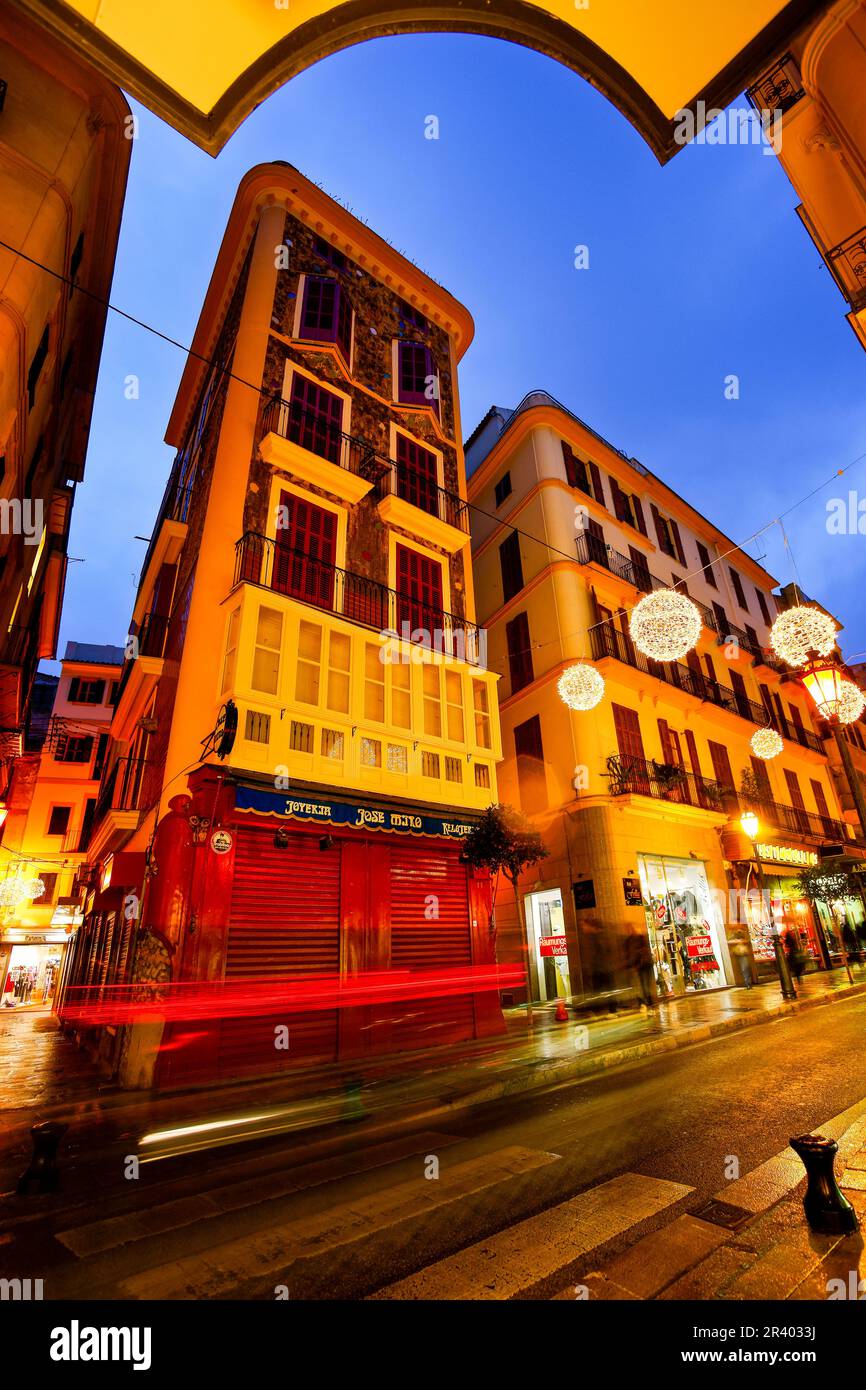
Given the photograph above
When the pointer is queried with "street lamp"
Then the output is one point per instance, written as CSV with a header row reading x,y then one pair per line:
x,y
827,684
750,827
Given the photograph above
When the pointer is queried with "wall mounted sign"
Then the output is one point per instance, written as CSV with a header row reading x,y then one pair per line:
x,y
221,842
584,893
344,813
787,854
552,946
632,891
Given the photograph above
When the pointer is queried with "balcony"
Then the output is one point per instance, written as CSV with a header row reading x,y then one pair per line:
x,y
262,561
147,663
847,264
117,805
592,551
666,782
609,642
313,449
418,505
778,89
801,822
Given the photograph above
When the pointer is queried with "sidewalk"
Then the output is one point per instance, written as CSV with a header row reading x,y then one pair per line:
x,y
44,1075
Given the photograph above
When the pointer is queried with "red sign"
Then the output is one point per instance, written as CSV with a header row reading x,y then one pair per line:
x,y
699,945
553,945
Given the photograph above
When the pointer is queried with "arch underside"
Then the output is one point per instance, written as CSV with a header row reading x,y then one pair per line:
x,y
343,25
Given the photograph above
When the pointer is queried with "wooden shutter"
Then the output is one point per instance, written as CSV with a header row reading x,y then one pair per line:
x,y
531,778
794,790
417,475
637,507
741,695
315,418
419,589
691,744
721,764
722,625
661,530
762,777
628,735
511,567
597,488
519,652
820,799
666,741
305,552
675,531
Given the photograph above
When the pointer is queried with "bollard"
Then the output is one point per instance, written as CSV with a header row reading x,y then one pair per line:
x,y
561,1014
827,1209
43,1168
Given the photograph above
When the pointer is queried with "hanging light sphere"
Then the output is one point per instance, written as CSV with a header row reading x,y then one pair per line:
x,y
665,625
766,743
800,631
20,888
581,686
852,702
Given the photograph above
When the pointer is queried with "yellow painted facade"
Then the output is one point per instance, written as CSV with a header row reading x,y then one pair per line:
x,y
574,594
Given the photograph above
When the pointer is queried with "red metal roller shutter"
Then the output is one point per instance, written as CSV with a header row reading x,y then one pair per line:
x,y
279,928
421,942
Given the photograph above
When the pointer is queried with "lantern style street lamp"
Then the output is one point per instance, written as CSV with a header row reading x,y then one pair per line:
x,y
751,827
827,686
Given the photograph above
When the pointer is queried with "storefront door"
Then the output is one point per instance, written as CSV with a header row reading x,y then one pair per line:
x,y
683,925
31,976
545,927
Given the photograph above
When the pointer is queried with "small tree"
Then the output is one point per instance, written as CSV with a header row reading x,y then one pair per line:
x,y
827,884
504,841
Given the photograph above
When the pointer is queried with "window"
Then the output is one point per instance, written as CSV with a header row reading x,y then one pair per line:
x,y
765,611
401,696
722,770
258,726
326,252
707,565
87,823
398,757
301,737
794,791
33,468
429,764
85,692
519,652
374,684
419,589
47,895
723,627
738,588
266,654
326,313
432,701
36,366
99,761
75,261
454,706
66,369
741,696
112,694
820,800
530,765
502,489
482,776
511,567
576,474
332,744
481,705
76,748
231,650
762,777
339,649
305,552
417,475
668,535
754,644
627,507
417,379
58,820
410,315
308,663
453,770
315,418
371,752
629,739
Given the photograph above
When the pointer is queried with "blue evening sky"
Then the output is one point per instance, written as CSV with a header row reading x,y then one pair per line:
x,y
696,271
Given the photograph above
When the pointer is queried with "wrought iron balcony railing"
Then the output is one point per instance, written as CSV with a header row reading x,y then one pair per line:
x,y
608,641
847,262
150,639
262,561
398,481
321,436
121,790
592,550
778,89
668,782
802,822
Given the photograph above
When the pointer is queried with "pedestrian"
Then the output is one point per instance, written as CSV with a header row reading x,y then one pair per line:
x,y
640,962
743,958
796,957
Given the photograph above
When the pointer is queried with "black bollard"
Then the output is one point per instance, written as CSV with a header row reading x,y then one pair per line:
x,y
43,1168
827,1209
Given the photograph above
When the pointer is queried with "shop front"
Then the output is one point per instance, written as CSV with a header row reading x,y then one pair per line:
x,y
30,966
545,926
805,931
684,925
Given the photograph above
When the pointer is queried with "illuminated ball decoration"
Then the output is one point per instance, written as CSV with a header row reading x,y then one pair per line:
x,y
766,743
799,632
665,625
20,888
581,686
852,702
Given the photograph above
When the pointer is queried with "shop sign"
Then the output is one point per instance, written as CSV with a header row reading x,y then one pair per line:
x,y
661,912
221,842
632,891
787,854
700,953
343,813
552,946
584,893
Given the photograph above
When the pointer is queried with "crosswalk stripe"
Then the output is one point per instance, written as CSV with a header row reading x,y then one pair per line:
x,y
101,1236
533,1250
270,1254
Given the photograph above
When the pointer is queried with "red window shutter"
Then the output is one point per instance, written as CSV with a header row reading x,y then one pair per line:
x,y
691,744
305,552
675,531
315,418
417,475
661,530
597,488
820,799
519,652
721,764
638,515
628,735
419,586
794,790
666,741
